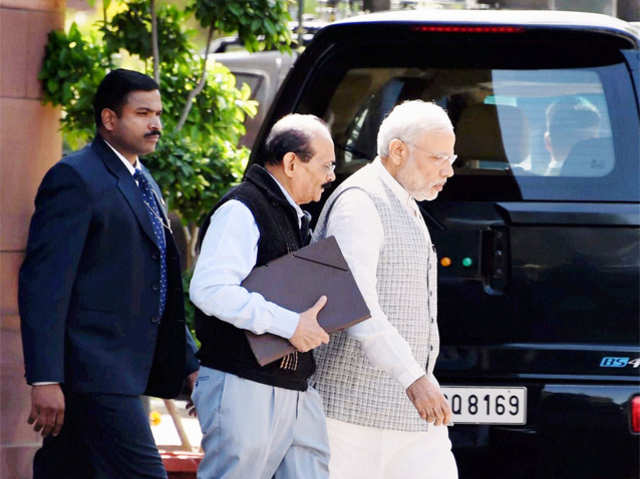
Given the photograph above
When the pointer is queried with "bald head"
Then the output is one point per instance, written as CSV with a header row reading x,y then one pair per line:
x,y
294,133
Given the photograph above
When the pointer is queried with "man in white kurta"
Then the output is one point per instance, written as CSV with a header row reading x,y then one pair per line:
x,y
386,416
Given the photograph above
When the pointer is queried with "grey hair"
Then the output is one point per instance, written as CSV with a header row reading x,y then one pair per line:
x,y
293,133
410,119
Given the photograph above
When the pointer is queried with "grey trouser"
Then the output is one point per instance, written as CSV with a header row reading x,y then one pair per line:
x,y
255,431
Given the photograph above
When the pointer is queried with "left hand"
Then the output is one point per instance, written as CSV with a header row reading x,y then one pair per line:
x,y
191,383
429,402
47,409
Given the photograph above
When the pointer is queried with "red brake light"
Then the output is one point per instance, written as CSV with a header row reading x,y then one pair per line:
x,y
466,29
635,414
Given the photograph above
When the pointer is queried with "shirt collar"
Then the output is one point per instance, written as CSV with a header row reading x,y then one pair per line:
x,y
132,169
398,190
286,194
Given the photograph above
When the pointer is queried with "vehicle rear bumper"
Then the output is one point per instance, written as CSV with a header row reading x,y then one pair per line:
x,y
572,431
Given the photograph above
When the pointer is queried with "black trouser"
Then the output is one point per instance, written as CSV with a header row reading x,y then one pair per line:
x,y
105,436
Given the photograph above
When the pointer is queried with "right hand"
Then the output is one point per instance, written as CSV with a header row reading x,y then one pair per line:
x,y
309,334
47,409
191,384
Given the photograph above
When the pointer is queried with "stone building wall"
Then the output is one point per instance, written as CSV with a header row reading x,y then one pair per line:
x,y
29,144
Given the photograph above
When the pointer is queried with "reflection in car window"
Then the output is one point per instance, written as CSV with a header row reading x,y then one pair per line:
x,y
562,109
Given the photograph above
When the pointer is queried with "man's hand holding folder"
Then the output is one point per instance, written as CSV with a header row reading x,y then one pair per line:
x,y
309,335
319,273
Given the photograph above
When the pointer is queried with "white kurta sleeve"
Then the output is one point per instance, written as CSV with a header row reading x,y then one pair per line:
x,y
227,255
355,223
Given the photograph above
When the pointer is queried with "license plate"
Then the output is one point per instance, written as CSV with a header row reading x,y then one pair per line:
x,y
487,405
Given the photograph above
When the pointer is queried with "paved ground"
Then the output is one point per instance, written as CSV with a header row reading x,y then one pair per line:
x,y
165,432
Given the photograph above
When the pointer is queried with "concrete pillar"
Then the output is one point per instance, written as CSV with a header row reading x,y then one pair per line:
x,y
29,145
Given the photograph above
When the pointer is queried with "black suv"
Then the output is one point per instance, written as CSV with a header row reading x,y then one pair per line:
x,y
539,276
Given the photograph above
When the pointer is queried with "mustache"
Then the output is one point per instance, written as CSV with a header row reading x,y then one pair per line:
x,y
327,184
157,133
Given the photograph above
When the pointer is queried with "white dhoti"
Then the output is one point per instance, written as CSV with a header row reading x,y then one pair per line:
x,y
359,452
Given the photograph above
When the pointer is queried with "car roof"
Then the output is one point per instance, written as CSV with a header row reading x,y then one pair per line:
x,y
258,57
549,18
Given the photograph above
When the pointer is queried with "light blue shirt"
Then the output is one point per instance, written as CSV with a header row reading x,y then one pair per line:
x,y
228,253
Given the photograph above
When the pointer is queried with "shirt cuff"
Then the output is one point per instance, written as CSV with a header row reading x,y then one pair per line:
x,y
284,322
44,383
408,377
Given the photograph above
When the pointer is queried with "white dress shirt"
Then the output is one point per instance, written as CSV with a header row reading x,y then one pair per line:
x,y
228,253
356,225
132,168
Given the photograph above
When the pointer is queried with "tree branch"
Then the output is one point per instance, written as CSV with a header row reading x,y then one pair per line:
x,y
194,232
104,26
203,79
154,42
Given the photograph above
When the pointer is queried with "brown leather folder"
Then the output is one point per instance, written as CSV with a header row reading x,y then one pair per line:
x,y
296,281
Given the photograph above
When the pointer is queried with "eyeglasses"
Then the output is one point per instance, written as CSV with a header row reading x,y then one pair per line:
x,y
439,158
330,167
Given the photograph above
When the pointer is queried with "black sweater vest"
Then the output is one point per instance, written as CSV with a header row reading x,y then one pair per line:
x,y
225,347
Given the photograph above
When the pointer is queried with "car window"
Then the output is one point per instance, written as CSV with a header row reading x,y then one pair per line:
x,y
535,123
254,81
556,128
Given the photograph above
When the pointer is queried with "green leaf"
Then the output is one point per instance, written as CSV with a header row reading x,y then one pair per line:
x,y
52,85
270,28
234,8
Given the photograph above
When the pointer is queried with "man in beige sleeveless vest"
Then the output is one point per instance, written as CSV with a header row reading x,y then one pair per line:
x,y
386,416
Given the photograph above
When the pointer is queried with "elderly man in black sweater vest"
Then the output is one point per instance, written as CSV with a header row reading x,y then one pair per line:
x,y
261,422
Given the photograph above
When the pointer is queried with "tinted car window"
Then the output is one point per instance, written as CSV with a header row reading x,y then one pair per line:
x,y
254,82
505,110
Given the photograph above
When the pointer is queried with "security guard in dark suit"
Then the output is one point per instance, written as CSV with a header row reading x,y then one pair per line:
x,y
100,297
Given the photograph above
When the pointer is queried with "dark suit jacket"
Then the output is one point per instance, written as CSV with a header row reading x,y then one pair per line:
x,y
89,285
